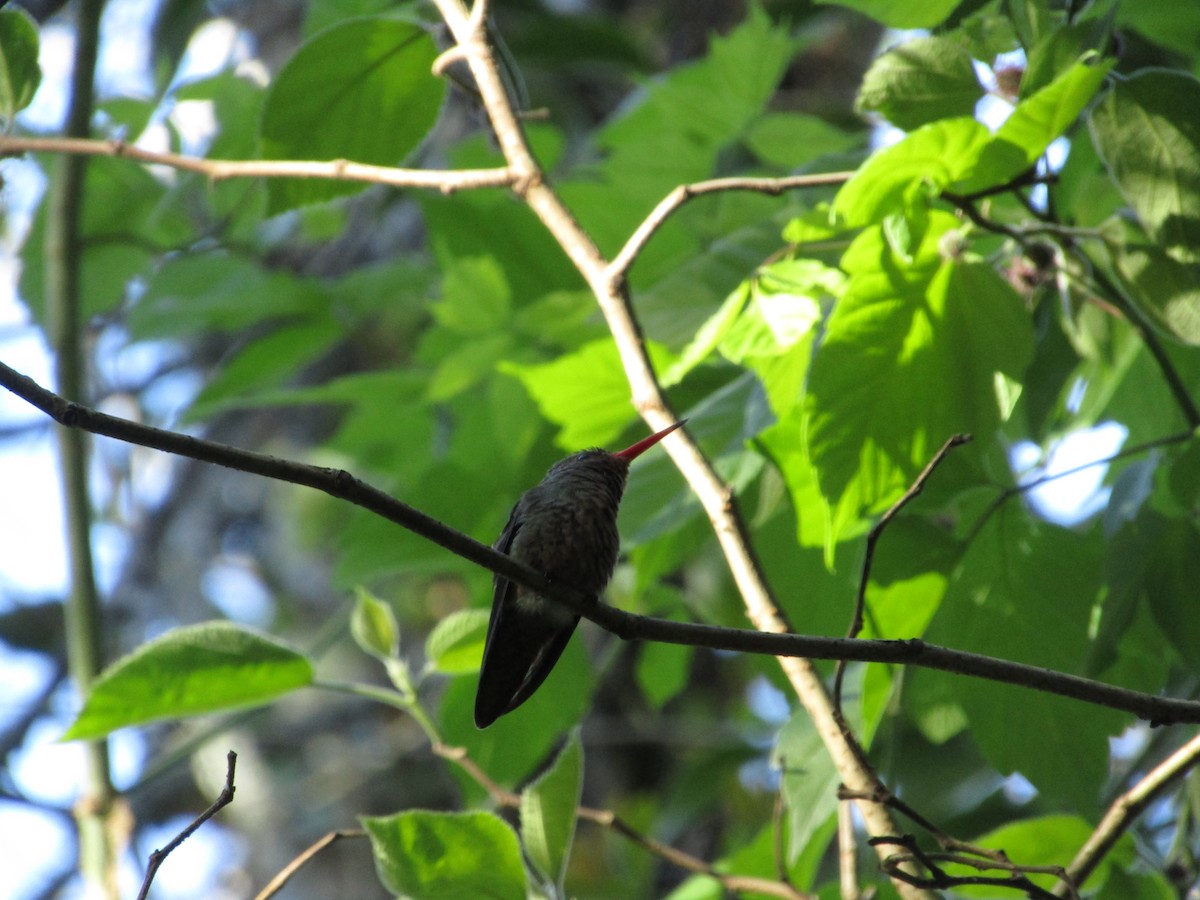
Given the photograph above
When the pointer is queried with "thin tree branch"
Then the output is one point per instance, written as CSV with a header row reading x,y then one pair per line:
x,y
285,874
606,818
1126,808
627,626
1133,314
446,181
962,852
158,857
1016,880
625,258
860,601
1005,495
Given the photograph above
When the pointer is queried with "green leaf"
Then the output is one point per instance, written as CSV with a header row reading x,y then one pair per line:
x,y
192,294
511,748
683,122
202,668
548,808
1048,840
789,140
373,625
361,91
936,155
809,781
322,14
1062,47
937,329
235,102
476,299
586,392
1166,290
455,646
909,577
902,13
784,443
662,671
1046,115
1170,582
709,336
19,71
997,604
767,319
1147,133
447,856
817,224
469,363
126,219
263,364
1171,24
921,81
962,155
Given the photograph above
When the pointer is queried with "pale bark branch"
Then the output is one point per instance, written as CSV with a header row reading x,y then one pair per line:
x,y
627,255
276,884
446,181
1126,808
609,288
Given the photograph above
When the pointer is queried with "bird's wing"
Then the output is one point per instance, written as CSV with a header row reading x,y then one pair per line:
x,y
521,647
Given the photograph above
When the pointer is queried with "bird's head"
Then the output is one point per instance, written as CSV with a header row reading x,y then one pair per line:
x,y
602,460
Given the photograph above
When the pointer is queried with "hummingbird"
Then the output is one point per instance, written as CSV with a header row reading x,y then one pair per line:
x,y
566,528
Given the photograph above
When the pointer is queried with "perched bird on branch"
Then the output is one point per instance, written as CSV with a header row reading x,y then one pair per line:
x,y
566,528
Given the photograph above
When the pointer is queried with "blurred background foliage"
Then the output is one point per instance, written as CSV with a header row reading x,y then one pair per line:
x,y
824,344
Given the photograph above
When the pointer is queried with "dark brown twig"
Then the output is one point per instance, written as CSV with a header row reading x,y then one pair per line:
x,y
860,601
627,626
1124,453
158,857
1017,878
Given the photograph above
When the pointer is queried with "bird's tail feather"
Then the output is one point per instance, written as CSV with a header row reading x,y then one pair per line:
x,y
520,652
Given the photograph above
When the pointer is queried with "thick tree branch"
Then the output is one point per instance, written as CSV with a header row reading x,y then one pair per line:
x,y
610,290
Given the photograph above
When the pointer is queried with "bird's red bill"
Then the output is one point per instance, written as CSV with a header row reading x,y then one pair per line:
x,y
632,453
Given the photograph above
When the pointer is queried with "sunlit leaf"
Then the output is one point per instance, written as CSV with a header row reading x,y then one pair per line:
x,y
586,392
446,856
548,811
455,646
901,13
197,669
